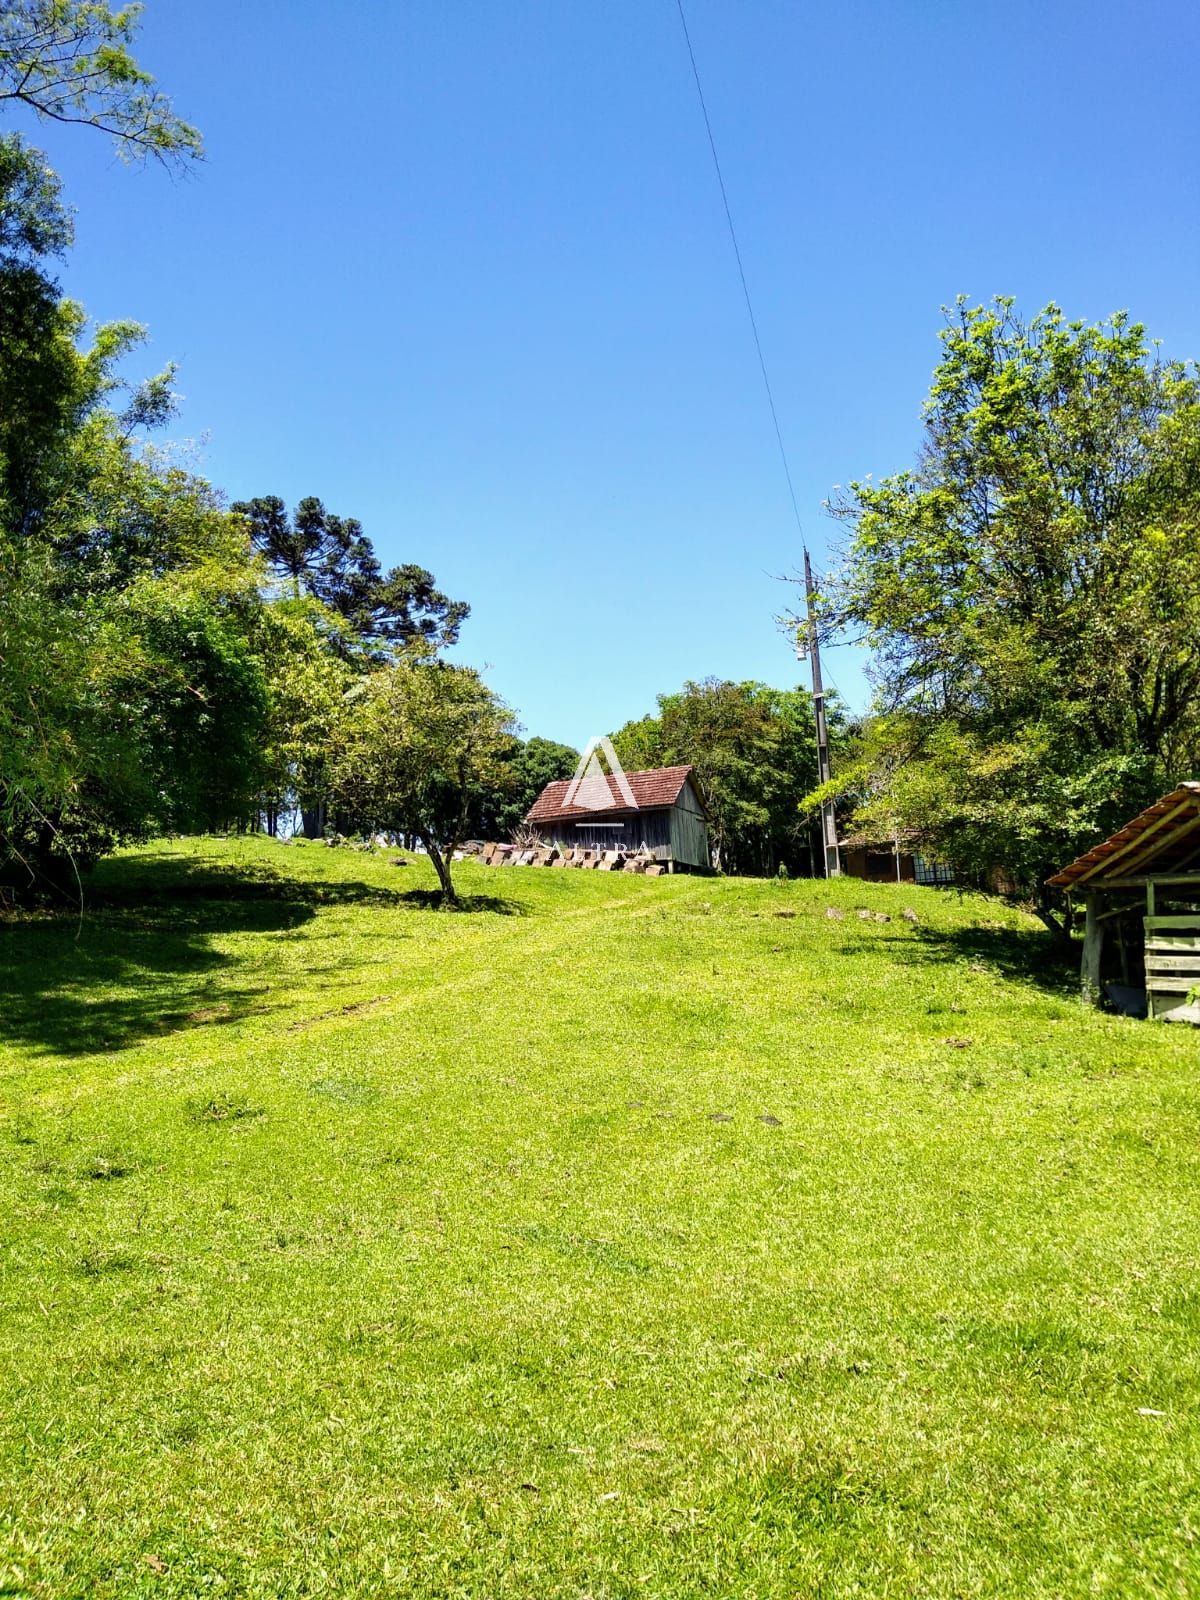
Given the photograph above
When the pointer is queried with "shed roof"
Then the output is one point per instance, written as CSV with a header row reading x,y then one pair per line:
x,y
651,791
1163,839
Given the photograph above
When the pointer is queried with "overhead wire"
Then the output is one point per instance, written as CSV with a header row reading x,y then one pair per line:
x,y
762,363
737,255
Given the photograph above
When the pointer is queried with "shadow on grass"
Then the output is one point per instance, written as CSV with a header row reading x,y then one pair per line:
x,y
431,900
143,963
1022,955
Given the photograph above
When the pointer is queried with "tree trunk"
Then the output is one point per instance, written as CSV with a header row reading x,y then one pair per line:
x,y
441,865
1045,916
1059,923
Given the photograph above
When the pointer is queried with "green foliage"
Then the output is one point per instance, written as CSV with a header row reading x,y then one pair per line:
x,y
131,698
306,682
1032,590
179,708
140,516
330,559
422,744
754,752
34,222
127,708
43,661
70,61
132,695
43,385
934,779
532,764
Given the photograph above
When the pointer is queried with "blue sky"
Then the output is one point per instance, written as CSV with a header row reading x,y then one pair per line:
x,y
460,268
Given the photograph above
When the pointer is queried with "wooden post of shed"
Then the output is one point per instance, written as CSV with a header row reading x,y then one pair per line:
x,y
1156,851
1093,949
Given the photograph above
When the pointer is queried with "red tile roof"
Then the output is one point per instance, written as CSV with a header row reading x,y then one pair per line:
x,y
651,791
1165,834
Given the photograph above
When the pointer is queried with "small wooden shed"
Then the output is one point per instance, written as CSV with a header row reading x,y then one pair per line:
x,y
668,820
895,860
1141,897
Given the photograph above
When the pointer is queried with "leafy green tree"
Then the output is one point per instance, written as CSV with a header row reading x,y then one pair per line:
x,y
132,706
43,664
754,752
126,712
70,61
131,697
1032,591
532,764
34,222
177,708
43,385
306,682
329,557
129,700
421,744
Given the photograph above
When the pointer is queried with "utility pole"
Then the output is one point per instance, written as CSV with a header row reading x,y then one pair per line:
x,y
833,861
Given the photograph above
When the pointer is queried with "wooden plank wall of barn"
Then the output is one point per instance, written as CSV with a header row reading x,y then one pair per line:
x,y
689,830
647,830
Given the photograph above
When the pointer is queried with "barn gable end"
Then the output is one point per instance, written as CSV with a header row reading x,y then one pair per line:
x,y
668,822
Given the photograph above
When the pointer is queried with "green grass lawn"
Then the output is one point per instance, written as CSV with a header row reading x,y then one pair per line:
x,y
618,1237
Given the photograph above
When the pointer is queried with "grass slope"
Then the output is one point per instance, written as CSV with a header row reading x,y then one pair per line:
x,y
619,1238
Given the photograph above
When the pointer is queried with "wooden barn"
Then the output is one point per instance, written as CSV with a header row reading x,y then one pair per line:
x,y
1141,898
668,820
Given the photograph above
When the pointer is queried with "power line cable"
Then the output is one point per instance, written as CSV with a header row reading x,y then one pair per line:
x,y
832,857
712,145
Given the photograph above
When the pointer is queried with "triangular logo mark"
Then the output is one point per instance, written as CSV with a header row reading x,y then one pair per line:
x,y
590,789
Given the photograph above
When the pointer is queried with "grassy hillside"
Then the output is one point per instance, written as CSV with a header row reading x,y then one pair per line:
x,y
620,1237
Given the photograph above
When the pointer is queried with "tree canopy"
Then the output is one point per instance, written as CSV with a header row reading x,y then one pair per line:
x,y
421,745
329,558
755,757
70,61
532,764
1031,590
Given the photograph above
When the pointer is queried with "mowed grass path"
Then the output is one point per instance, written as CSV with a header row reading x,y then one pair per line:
x,y
617,1238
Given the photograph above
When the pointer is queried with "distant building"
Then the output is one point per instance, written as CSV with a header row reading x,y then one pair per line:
x,y
898,861
668,821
